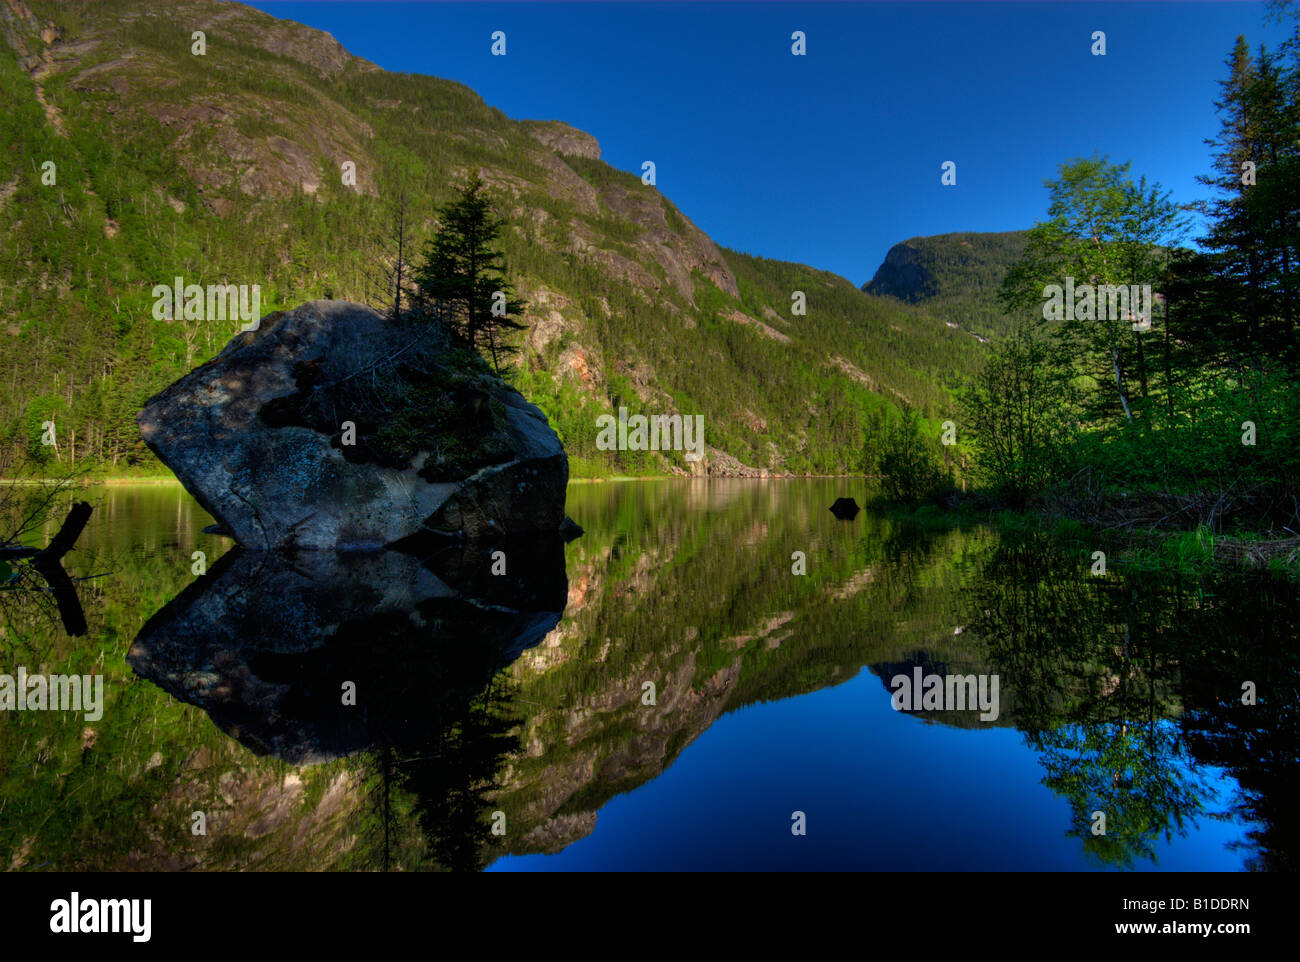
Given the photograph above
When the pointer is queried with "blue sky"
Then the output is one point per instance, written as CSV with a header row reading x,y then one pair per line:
x,y
833,157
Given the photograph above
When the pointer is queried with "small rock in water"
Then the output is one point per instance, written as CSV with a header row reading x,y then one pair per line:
x,y
846,509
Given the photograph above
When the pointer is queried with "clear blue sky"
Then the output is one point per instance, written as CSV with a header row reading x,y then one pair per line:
x,y
831,158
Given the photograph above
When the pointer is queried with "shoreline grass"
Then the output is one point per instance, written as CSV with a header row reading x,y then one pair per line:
x,y
1193,551
89,482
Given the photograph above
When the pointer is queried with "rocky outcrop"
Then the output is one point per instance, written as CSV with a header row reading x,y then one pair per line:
x,y
904,275
563,139
717,463
330,427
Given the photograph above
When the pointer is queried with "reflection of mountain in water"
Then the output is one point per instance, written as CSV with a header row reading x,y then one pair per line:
x,y
968,717
695,594
699,598
1100,674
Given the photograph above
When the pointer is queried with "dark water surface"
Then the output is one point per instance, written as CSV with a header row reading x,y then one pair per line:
x,y
507,722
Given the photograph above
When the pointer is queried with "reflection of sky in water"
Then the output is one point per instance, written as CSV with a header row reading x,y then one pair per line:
x,y
880,790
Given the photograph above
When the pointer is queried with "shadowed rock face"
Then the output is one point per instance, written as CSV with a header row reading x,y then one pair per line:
x,y
266,644
257,436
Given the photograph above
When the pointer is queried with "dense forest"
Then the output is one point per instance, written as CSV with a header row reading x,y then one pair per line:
x,y
228,168
131,161
1177,410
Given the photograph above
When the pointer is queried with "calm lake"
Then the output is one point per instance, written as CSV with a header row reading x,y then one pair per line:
x,y
676,689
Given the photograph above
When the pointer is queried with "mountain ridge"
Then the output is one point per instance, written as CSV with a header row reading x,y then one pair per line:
x,y
225,168
956,275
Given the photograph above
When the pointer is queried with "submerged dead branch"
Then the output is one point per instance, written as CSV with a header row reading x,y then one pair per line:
x,y
48,563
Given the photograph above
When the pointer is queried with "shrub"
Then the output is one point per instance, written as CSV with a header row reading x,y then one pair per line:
x,y
909,464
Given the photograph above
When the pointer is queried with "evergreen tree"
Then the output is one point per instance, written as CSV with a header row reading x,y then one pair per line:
x,y
462,281
1240,294
909,466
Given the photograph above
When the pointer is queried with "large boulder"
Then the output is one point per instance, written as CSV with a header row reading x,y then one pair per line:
x,y
330,426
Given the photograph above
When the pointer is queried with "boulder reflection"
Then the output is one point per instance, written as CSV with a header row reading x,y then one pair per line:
x,y
319,655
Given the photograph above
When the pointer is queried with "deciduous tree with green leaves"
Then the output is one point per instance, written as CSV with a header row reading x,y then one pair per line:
x,y
908,460
1103,228
1021,410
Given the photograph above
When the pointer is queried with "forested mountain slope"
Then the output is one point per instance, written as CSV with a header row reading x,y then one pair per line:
x,y
227,168
955,277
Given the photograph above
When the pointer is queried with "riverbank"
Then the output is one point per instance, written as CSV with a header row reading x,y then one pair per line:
x,y
86,482
128,479
682,477
1190,549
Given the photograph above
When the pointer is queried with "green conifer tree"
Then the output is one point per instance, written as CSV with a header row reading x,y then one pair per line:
x,y
461,281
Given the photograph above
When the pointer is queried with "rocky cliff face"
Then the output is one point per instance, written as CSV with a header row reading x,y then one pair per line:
x,y
563,139
903,275
331,427
963,266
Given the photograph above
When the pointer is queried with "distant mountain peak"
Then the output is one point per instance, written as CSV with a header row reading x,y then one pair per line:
x,y
955,277
921,268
